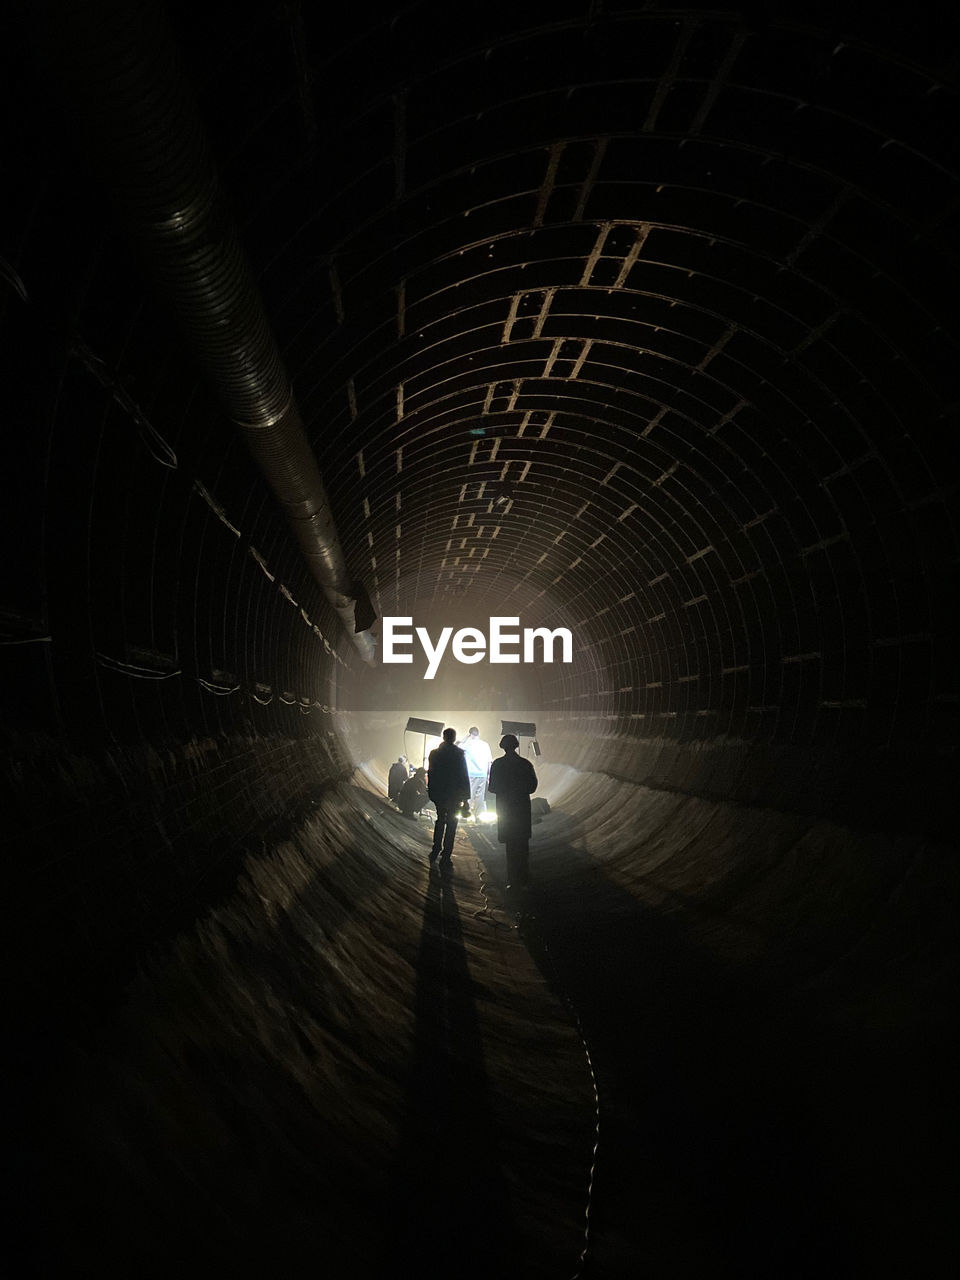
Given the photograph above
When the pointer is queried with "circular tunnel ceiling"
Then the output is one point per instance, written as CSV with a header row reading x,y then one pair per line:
x,y
635,319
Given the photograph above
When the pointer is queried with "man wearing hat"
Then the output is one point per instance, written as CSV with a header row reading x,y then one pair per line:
x,y
513,781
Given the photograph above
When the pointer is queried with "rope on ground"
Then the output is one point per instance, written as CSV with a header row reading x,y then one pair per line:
x,y
486,911
539,948
537,945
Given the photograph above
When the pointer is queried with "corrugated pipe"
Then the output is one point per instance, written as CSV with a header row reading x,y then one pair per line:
x,y
139,118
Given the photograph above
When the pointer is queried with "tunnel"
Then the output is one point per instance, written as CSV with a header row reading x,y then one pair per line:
x,y
630,321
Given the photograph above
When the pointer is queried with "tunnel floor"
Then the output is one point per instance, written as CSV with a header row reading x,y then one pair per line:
x,y
349,1067
761,1112
358,1066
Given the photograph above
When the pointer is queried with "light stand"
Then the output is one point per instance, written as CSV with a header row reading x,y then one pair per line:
x,y
521,729
433,728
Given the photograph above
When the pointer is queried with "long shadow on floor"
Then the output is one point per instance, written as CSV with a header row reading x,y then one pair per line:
x,y
706,1166
266,1182
449,1213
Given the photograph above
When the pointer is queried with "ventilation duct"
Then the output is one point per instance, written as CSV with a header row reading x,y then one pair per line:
x,y
135,107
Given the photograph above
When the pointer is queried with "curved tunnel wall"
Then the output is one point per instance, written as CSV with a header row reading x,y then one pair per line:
x,y
645,313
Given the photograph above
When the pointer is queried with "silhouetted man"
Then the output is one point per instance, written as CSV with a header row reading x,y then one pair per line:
x,y
513,781
396,778
479,757
448,787
413,794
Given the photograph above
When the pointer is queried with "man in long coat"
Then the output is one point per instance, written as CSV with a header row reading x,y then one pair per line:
x,y
513,780
397,776
449,787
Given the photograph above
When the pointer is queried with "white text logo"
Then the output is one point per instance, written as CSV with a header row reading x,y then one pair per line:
x,y
470,645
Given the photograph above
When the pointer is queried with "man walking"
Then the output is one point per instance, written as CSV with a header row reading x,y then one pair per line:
x,y
512,781
479,757
448,786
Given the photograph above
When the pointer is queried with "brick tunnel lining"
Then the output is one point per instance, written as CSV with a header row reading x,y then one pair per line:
x,y
678,376
653,326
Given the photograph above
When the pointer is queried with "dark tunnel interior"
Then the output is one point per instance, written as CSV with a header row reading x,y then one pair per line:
x,y
631,319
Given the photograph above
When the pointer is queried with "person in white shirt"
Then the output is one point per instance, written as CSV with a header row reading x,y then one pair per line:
x,y
479,757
